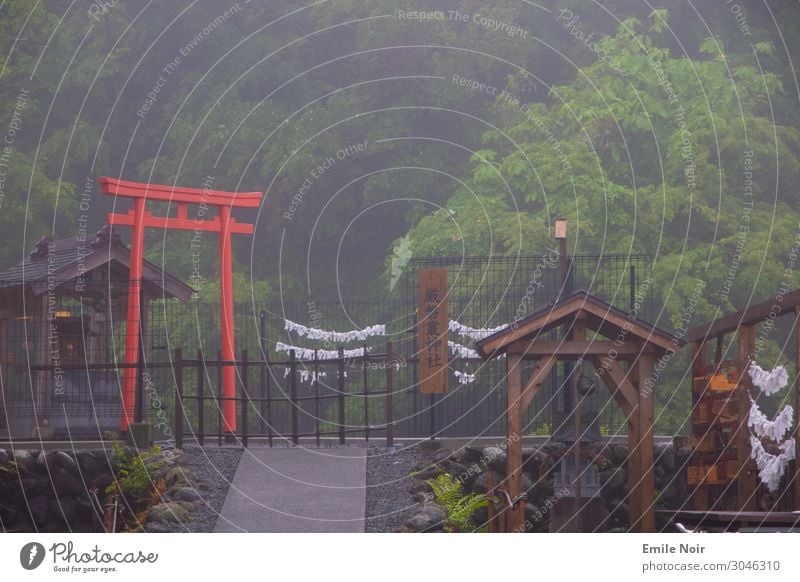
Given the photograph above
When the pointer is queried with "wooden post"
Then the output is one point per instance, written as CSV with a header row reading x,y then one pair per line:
x,y
515,517
316,397
699,363
746,479
178,370
796,478
389,394
366,397
634,465
647,488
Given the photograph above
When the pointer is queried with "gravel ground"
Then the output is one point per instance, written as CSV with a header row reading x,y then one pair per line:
x,y
388,502
210,470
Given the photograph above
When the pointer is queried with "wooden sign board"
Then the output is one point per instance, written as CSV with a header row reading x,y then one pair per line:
x,y
432,325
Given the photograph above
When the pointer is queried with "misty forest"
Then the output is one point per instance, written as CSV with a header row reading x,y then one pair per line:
x,y
380,131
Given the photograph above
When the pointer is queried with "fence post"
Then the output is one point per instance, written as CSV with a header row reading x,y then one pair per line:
x,y
178,398
316,395
293,393
366,397
341,396
201,399
245,397
389,395
263,368
220,401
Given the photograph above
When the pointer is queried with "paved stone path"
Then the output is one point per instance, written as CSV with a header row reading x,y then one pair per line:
x,y
297,490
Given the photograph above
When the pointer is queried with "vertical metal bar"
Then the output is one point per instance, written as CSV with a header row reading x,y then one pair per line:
x,y
633,285
245,396
366,397
219,398
201,398
270,431
293,393
263,367
389,395
432,417
316,396
341,396
178,369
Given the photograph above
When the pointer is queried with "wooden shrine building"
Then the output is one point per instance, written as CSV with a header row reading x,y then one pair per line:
x,y
623,350
64,306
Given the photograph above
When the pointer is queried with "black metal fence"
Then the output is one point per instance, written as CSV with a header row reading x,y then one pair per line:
x,y
280,397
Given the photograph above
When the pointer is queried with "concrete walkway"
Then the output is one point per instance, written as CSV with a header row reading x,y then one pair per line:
x,y
297,490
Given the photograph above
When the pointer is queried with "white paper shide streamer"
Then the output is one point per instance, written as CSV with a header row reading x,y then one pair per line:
x,y
313,333
472,332
770,429
307,354
771,468
463,377
768,382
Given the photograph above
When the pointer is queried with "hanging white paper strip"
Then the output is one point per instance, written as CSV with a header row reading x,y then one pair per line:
x,y
771,429
472,332
769,382
307,354
462,351
334,336
772,467
463,377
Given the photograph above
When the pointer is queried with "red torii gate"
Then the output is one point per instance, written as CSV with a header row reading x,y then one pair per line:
x,y
139,218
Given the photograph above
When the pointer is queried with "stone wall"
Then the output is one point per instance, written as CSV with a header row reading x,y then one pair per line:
x,y
471,465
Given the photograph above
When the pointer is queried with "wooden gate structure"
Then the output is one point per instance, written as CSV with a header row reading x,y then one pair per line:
x,y
622,348
721,437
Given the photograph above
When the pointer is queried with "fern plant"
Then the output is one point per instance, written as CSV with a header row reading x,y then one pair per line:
x,y
448,493
133,470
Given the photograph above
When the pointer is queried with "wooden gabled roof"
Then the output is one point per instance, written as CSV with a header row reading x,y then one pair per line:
x,y
599,316
66,259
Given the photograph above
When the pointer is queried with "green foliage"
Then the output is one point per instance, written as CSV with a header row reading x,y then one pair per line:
x,y
447,492
133,470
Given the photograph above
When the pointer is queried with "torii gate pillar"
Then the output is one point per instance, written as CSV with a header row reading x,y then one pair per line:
x,y
223,224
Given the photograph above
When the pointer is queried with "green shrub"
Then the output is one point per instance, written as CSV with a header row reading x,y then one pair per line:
x,y
448,493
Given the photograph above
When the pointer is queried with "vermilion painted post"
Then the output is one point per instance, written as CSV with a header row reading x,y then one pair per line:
x,y
226,304
134,315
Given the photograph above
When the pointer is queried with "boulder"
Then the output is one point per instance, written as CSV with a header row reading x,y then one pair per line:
x,y
175,476
91,464
171,512
4,458
442,455
429,518
39,510
613,480
102,481
66,484
468,455
495,457
425,471
533,461
66,462
189,494
64,508
420,490
26,462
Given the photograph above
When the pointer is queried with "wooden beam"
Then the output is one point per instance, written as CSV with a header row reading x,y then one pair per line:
x,y
744,317
621,380
796,478
621,400
571,349
746,479
646,444
515,517
552,318
540,373
699,363
634,470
